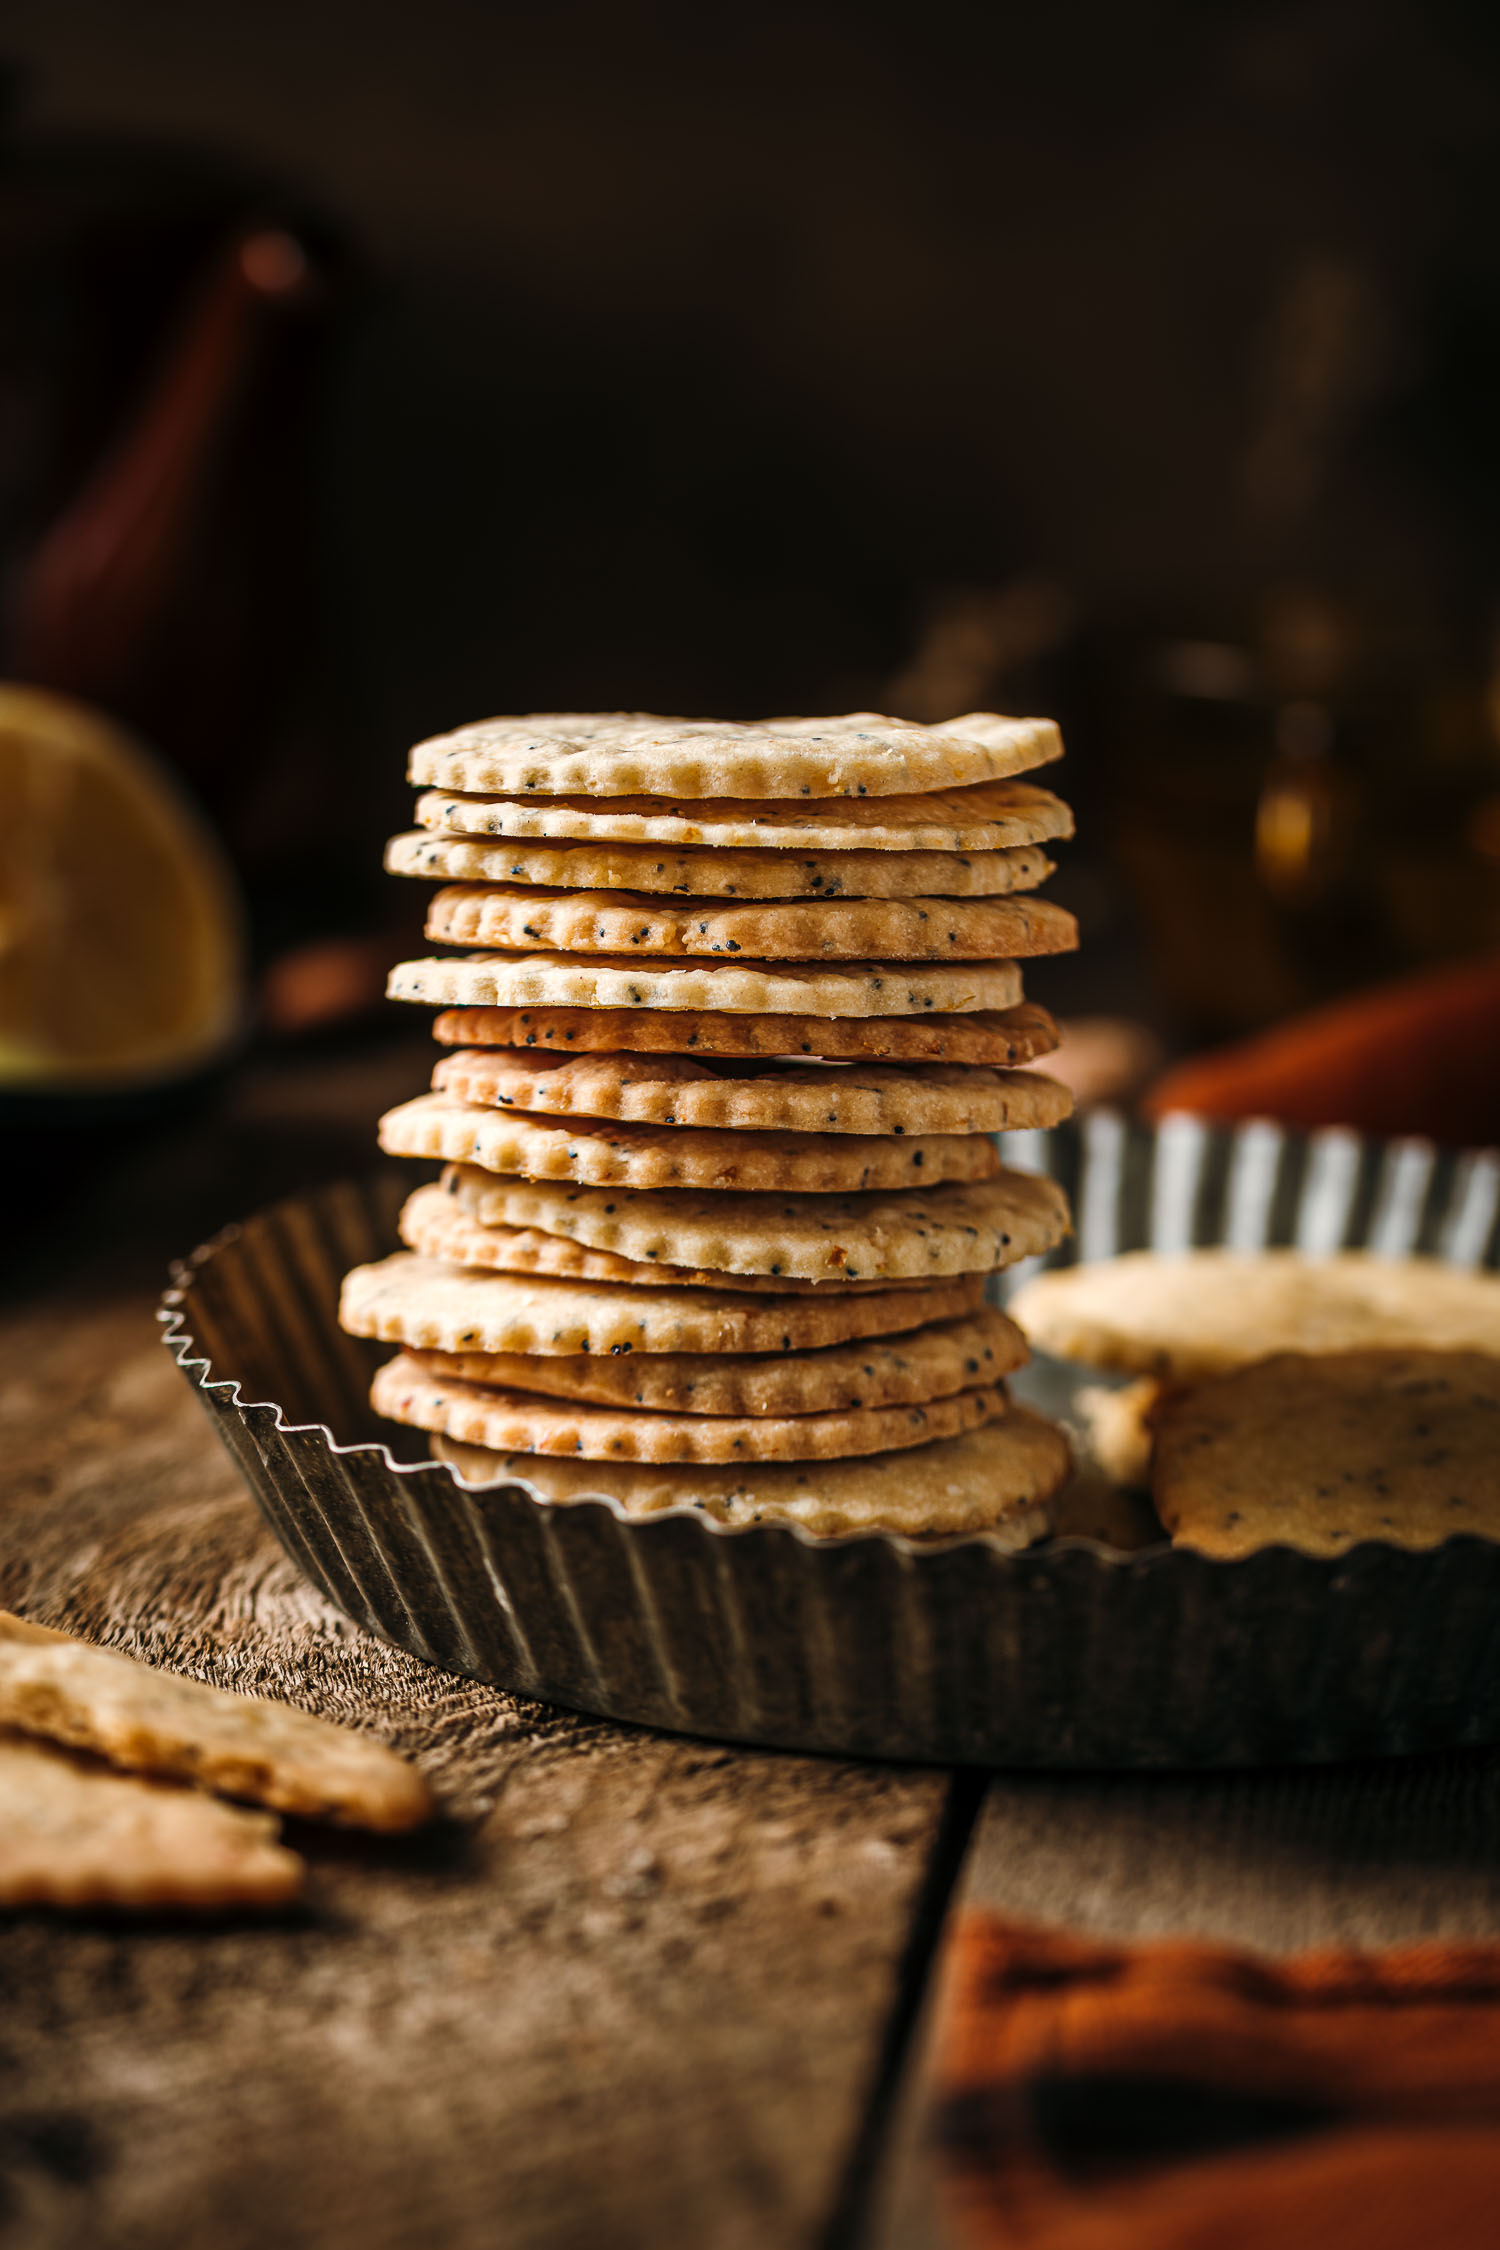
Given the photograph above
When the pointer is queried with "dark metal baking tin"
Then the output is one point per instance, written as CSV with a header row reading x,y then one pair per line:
x,y
1066,1655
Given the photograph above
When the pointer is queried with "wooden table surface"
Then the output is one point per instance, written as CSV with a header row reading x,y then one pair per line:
x,y
633,1990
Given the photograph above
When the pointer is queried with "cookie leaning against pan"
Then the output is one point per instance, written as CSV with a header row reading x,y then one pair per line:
x,y
1319,1450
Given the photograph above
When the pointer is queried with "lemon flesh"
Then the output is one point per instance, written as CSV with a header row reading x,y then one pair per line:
x,y
120,935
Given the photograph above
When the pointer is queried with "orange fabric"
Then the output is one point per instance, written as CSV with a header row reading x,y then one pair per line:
x,y
1184,2096
1421,1056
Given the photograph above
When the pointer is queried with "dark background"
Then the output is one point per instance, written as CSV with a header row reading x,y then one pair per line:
x,y
1139,365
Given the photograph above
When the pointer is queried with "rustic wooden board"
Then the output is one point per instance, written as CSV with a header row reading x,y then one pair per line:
x,y
635,1990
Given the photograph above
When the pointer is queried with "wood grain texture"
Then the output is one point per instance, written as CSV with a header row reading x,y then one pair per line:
x,y
632,1991
1359,1855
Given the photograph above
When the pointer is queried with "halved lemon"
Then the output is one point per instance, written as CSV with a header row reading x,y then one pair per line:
x,y
120,930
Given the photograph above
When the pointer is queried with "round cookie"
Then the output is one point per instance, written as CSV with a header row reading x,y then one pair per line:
x,y
1001,1036
843,929
997,1481
763,873
992,816
923,1233
637,754
519,1422
436,1225
1322,1450
665,1156
564,980
930,1363
431,1306
1203,1311
748,1096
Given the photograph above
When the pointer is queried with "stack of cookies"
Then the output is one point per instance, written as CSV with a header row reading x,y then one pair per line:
x,y
716,1107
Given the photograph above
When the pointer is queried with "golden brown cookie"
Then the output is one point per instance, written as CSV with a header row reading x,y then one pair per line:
x,y
992,816
75,1833
666,1156
520,1422
1207,1310
911,1370
159,1722
624,924
580,980
430,1306
998,1481
436,1224
989,1036
636,753
921,1234
1322,1450
754,1097
763,872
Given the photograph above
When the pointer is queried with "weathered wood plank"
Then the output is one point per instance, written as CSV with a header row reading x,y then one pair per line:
x,y
1359,1855
633,1992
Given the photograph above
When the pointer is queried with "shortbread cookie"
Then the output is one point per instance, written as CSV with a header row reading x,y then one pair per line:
x,y
135,1715
992,816
519,1422
436,1224
930,1363
430,1306
1207,1310
924,1233
667,1156
818,929
763,873
998,1481
1322,1450
1003,1036
755,1097
75,1833
637,754
575,980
